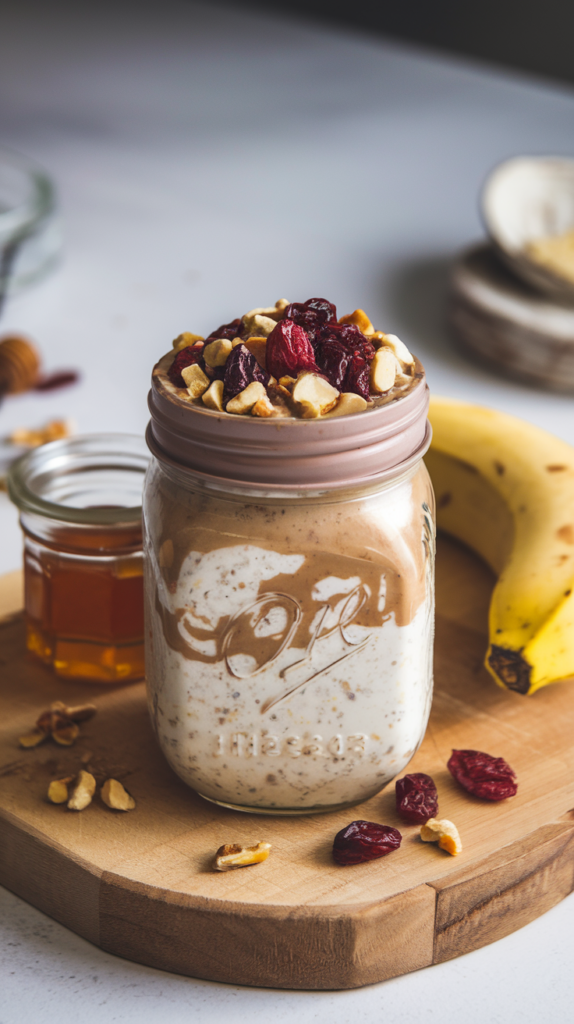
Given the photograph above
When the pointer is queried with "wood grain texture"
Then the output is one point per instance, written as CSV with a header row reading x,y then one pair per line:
x,y
141,885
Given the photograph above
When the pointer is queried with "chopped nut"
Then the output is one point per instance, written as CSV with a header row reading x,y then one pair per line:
x,y
166,554
66,735
237,341
360,318
384,369
274,312
81,713
58,790
397,346
315,395
33,739
287,382
234,856
213,397
216,353
83,791
444,833
185,340
115,796
246,399
347,404
257,347
255,323
195,380
55,430
52,719
264,408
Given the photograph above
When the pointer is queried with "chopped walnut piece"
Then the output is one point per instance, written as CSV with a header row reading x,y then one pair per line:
x,y
80,713
396,346
360,318
315,395
348,403
213,397
116,797
216,353
257,347
384,369
186,340
444,833
246,399
83,791
196,381
66,735
55,430
58,790
263,407
258,324
33,739
232,855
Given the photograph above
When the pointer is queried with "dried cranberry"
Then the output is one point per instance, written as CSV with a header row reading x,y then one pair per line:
x,y
364,840
229,331
288,350
348,335
241,369
333,360
417,798
490,778
357,377
185,357
311,315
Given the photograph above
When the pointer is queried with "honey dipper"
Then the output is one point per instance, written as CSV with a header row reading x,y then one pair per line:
x,y
19,365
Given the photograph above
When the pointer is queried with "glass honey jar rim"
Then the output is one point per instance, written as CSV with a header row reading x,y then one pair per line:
x,y
67,470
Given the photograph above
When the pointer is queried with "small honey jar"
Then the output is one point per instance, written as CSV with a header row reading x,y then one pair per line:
x,y
80,511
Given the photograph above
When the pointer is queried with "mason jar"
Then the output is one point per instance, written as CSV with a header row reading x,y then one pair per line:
x,y
289,600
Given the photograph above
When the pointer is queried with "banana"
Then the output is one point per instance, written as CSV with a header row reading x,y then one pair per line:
x,y
506,488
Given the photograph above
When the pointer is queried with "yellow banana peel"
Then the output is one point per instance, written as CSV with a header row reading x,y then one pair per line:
x,y
506,488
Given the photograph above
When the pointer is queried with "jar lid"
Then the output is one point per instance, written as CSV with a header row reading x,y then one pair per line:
x,y
289,453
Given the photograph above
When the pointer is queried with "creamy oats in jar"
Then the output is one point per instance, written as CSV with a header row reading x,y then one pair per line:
x,y
289,593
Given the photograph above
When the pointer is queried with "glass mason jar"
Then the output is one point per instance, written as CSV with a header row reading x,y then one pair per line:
x,y
289,592
80,512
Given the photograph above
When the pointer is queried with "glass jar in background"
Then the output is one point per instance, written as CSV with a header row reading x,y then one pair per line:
x,y
80,511
289,600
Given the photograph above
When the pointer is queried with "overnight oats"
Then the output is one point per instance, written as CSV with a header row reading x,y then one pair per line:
x,y
289,559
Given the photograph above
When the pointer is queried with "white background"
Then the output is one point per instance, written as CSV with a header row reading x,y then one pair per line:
x,y
209,161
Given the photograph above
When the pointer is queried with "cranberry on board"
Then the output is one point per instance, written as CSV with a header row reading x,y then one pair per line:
x,y
185,357
241,369
490,778
416,797
227,331
364,840
288,350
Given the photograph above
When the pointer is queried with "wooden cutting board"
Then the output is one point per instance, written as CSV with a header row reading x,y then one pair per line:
x,y
140,884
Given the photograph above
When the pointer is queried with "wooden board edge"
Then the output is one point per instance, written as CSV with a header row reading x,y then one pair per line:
x,y
336,947
11,594
46,875
489,899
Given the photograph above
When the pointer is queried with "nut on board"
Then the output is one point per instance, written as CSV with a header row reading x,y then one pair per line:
x,y
232,855
83,791
116,797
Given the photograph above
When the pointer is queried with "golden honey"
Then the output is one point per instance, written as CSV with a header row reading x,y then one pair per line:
x,y
80,512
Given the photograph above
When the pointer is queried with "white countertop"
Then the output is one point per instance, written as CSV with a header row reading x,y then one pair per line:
x,y
210,161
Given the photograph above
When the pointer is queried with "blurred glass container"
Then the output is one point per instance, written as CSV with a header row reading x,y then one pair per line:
x,y
30,233
80,511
